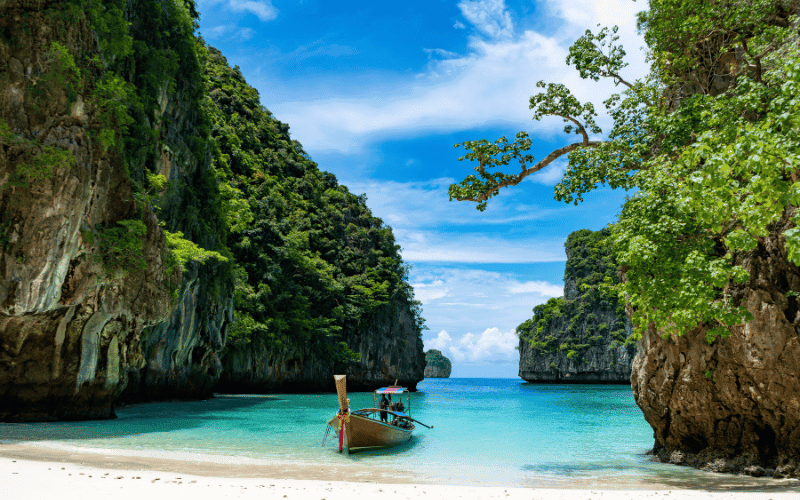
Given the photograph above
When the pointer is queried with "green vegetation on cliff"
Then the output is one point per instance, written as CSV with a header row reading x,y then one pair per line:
x,y
589,271
307,259
311,260
437,365
708,140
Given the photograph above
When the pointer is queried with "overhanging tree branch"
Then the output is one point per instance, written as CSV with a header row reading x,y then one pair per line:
x,y
494,186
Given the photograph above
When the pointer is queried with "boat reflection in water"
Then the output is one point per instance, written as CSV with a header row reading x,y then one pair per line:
x,y
364,429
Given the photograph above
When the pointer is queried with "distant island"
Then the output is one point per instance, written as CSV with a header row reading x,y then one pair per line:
x,y
436,365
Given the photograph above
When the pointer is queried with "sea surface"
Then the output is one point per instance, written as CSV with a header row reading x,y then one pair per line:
x,y
485,432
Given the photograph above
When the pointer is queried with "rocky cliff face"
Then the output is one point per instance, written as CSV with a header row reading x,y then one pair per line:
x,y
437,366
81,314
182,353
388,344
734,405
580,337
95,309
69,329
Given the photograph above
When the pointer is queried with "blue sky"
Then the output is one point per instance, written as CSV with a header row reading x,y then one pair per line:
x,y
379,92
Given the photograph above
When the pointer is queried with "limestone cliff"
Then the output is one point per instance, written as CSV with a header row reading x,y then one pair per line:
x,y
321,287
69,325
437,365
182,353
116,260
389,346
734,405
89,297
581,337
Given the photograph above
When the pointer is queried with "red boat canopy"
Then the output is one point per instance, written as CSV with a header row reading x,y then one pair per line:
x,y
391,390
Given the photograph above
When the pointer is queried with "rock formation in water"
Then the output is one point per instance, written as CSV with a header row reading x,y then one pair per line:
x,y
118,196
729,402
437,365
318,294
581,337
88,286
388,344
733,405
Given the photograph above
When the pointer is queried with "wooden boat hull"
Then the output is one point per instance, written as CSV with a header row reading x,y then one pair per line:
x,y
362,432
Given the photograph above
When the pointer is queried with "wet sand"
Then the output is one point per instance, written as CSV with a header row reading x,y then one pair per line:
x,y
36,472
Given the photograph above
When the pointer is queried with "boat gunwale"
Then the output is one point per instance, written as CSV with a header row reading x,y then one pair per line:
x,y
373,410
364,417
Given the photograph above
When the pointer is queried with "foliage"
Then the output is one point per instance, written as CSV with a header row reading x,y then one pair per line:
x,y
708,140
183,250
110,97
313,264
108,21
573,319
434,357
61,76
40,166
120,247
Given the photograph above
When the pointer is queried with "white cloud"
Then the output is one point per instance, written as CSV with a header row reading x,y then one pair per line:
x,y
414,205
490,83
551,174
488,16
263,9
476,300
466,299
426,293
459,25
229,31
433,246
491,346
418,210
540,287
319,48
440,52
442,341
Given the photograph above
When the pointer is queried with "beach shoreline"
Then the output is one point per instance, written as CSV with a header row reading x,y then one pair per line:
x,y
29,471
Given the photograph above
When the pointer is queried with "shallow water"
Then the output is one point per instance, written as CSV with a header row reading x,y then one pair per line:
x,y
486,432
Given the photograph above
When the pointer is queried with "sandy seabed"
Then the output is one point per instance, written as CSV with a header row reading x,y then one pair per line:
x,y
34,472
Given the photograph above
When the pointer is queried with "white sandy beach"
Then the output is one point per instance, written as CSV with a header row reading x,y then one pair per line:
x,y
66,476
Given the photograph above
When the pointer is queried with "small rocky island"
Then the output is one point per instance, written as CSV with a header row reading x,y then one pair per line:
x,y
582,336
437,366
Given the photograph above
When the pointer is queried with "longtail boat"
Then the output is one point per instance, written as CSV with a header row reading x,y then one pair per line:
x,y
364,428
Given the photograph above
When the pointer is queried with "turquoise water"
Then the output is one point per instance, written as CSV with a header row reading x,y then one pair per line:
x,y
486,432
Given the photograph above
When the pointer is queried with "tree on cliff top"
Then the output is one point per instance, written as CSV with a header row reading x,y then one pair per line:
x,y
708,141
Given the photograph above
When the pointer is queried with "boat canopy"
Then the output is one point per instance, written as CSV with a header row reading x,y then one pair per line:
x,y
391,390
